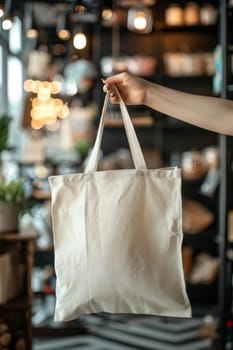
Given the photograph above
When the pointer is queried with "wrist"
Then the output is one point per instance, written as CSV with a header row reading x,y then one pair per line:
x,y
150,94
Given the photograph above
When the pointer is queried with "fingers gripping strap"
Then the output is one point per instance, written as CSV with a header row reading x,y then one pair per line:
x,y
135,148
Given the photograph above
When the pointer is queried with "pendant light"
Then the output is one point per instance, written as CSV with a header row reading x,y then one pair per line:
x,y
63,26
7,21
30,29
79,40
140,19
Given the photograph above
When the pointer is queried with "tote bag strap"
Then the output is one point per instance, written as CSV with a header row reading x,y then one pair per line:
x,y
134,145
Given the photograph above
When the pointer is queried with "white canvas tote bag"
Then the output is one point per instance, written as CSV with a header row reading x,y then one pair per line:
x,y
118,236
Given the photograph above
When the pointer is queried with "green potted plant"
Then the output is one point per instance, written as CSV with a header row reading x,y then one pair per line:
x,y
12,201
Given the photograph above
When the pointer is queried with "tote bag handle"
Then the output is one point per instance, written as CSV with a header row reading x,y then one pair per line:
x,y
134,145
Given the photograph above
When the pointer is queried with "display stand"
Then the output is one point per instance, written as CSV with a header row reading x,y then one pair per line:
x,y
16,313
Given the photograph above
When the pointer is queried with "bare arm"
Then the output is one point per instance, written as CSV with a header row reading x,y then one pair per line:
x,y
211,113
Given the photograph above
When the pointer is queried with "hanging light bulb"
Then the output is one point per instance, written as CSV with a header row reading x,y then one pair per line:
x,y
29,23
79,41
140,19
107,14
32,33
7,23
63,26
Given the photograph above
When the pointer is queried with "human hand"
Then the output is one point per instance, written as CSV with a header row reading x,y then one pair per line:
x,y
131,88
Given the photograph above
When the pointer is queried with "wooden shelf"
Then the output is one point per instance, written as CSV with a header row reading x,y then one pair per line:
x,y
17,236
206,30
137,122
16,303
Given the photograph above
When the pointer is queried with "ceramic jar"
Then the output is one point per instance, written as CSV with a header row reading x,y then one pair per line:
x,y
174,15
192,14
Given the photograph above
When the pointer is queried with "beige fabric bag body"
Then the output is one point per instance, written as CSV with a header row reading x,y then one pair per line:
x,y
118,236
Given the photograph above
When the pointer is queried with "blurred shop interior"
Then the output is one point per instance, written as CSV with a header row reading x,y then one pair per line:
x,y
53,55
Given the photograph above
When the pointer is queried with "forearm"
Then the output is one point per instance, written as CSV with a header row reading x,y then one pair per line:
x,y
212,113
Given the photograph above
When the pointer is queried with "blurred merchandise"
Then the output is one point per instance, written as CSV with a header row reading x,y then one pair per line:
x,y
212,179
33,148
107,163
123,159
43,279
9,165
66,141
208,14
109,65
37,65
192,14
141,65
209,328
210,183
42,225
211,157
77,75
196,217
188,64
138,65
193,166
43,310
205,269
174,15
80,123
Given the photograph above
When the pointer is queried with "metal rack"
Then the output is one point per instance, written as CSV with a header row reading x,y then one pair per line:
x,y
226,190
